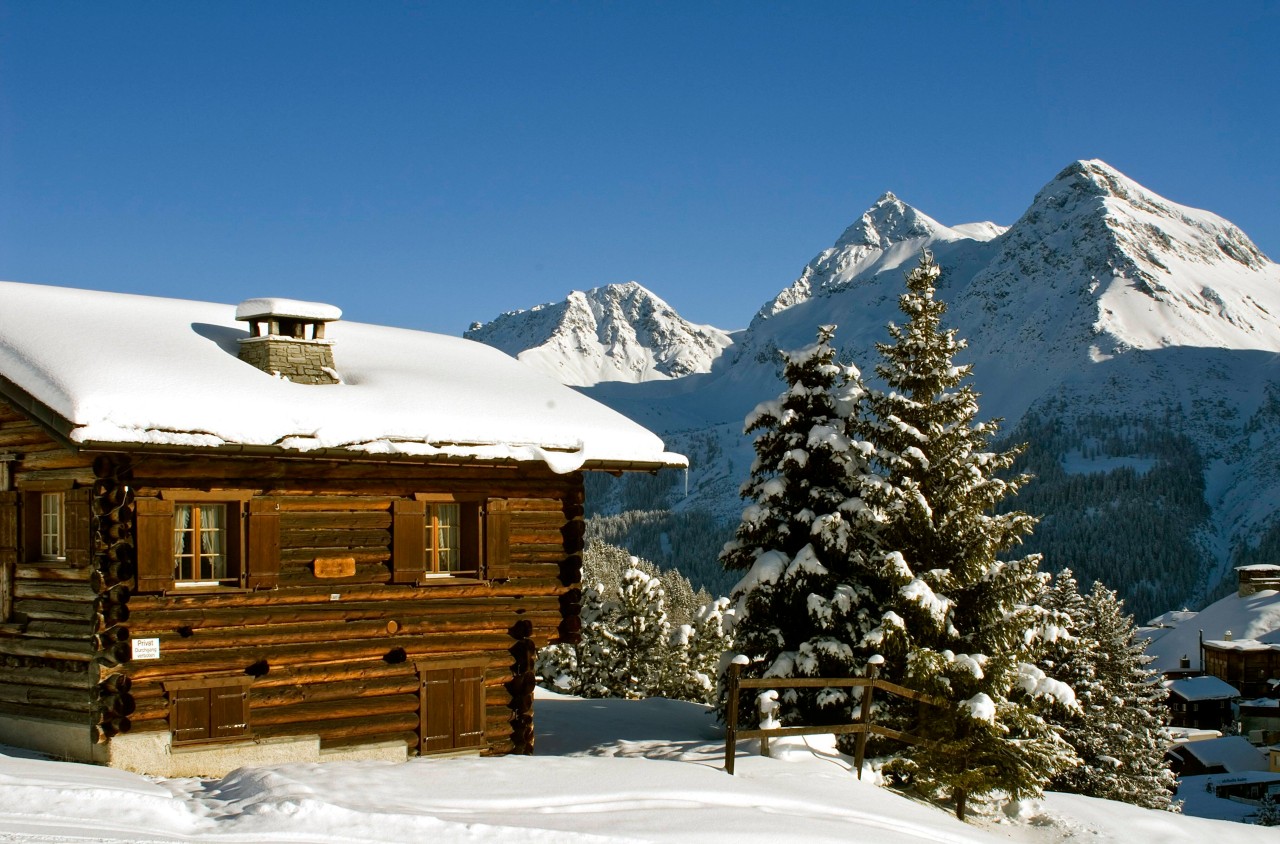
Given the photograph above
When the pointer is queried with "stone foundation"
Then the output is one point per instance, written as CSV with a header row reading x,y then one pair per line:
x,y
59,739
152,753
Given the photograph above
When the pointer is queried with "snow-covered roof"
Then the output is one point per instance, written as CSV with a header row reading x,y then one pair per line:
x,y
1241,645
1233,753
123,370
1182,735
1202,688
1262,703
1171,618
1255,616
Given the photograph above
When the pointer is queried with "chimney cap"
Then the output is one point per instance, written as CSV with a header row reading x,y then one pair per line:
x,y
267,307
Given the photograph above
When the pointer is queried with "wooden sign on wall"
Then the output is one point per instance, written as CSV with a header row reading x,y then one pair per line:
x,y
330,567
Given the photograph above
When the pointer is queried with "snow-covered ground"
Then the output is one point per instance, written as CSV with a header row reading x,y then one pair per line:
x,y
606,770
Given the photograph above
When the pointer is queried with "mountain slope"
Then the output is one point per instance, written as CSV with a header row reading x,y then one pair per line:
x,y
1133,340
618,332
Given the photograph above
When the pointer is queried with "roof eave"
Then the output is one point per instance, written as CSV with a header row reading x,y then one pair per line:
x,y
50,421
349,456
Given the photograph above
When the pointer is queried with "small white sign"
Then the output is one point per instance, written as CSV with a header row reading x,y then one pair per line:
x,y
146,648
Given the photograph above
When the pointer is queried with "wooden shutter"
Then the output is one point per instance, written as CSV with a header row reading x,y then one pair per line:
x,y
452,704
436,732
9,527
153,533
189,714
408,540
262,566
8,551
468,722
75,526
29,530
497,536
229,711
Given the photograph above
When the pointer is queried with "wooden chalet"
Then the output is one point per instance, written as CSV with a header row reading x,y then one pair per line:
x,y
258,535
1202,703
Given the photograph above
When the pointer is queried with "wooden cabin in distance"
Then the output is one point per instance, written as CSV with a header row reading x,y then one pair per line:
x,y
258,535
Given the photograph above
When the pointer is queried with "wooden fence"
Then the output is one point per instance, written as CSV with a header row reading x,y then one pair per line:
x,y
860,728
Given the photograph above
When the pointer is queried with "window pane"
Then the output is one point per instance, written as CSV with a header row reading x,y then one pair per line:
x,y
183,546
448,529
213,539
51,524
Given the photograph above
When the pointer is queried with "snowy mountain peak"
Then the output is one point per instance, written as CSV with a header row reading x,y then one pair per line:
x,y
887,233
888,221
1145,222
617,332
1099,265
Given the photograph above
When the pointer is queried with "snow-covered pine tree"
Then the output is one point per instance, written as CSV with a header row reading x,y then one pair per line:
x,y
1268,814
625,639
964,624
595,653
802,606
1116,731
704,643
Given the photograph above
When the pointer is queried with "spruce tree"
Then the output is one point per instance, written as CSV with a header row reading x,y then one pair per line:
x,y
1116,730
802,606
963,625
1268,814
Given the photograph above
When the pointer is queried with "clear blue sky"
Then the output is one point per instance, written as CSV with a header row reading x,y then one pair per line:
x,y
431,164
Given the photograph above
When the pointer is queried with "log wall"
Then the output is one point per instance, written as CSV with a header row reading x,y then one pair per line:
x,y
333,656
49,613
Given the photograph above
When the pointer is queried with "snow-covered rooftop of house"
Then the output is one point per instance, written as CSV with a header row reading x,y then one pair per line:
x,y
126,369
1262,703
1182,735
1242,645
1255,617
1172,618
1202,688
1234,753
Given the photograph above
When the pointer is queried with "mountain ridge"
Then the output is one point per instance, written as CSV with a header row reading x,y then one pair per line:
x,y
1109,326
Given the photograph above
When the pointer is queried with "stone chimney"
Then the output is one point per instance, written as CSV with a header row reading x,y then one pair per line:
x,y
1257,577
286,338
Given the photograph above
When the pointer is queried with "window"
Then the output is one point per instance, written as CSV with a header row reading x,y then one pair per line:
x,y
55,524
200,543
191,539
52,532
452,711
439,536
444,540
208,710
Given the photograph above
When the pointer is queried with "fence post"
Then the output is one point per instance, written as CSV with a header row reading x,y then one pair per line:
x,y
731,728
873,668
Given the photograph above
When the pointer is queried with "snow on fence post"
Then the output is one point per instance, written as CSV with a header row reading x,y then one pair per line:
x,y
767,705
873,669
731,728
